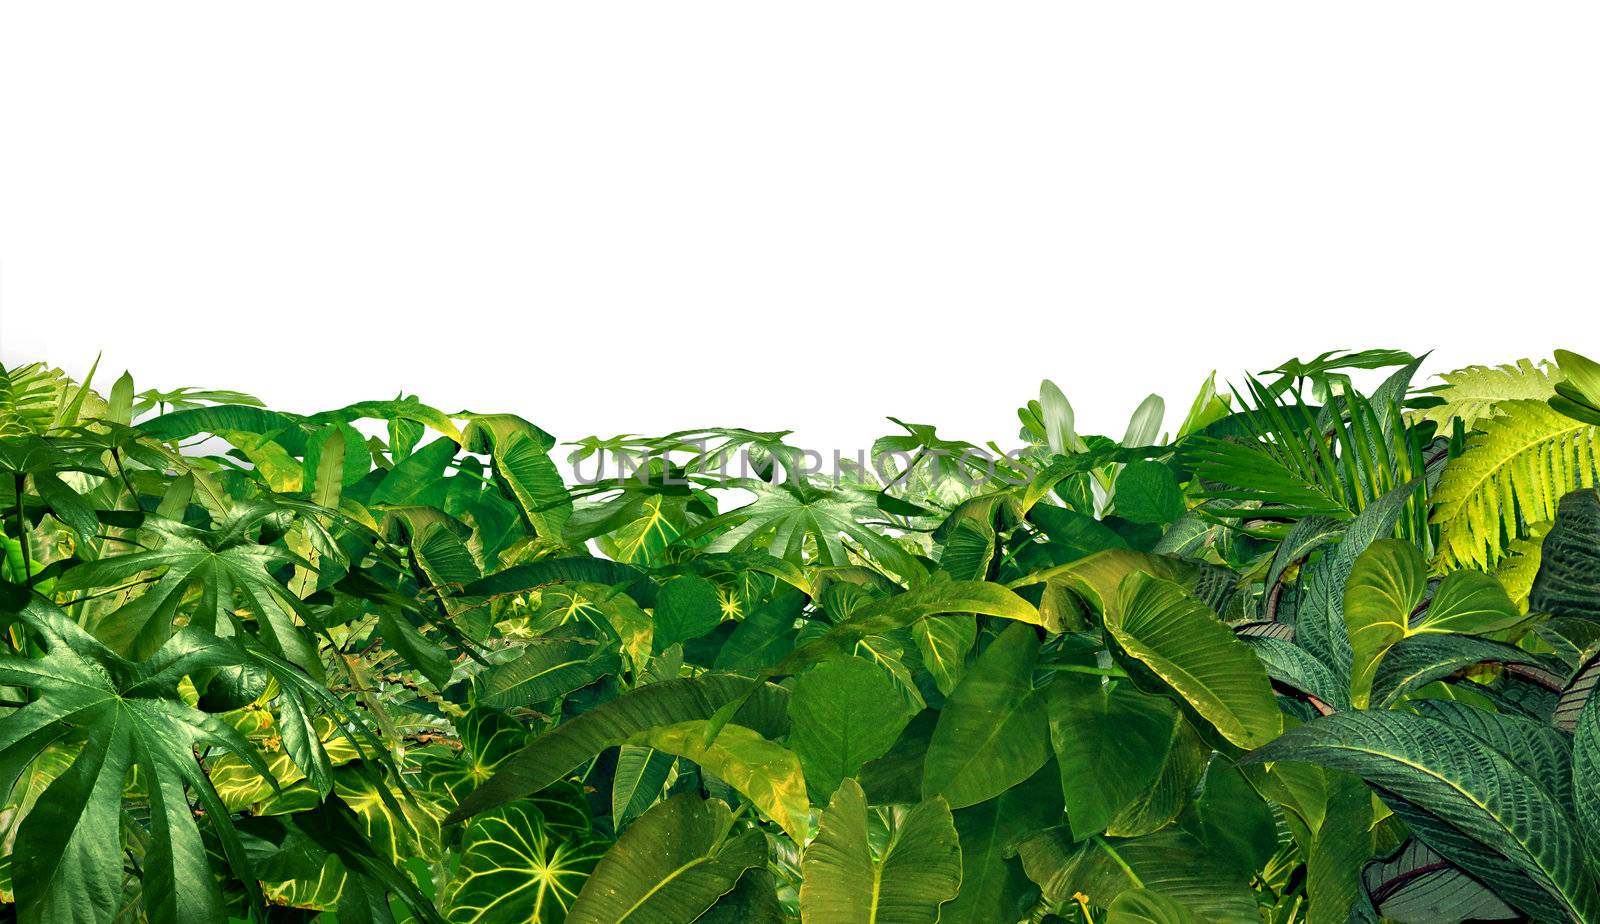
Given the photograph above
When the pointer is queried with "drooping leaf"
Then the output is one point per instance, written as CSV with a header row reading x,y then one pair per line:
x,y
1179,641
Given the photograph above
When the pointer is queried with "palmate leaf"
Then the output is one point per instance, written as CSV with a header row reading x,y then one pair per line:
x,y
559,751
670,866
1467,785
1513,473
67,862
783,517
222,563
901,876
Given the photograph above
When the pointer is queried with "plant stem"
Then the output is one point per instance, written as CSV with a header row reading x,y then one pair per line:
x,y
22,533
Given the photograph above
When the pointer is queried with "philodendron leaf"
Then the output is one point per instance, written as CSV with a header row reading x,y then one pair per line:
x,y
1179,641
1463,782
1110,741
843,713
993,732
993,884
558,752
517,868
1385,593
670,866
765,773
900,876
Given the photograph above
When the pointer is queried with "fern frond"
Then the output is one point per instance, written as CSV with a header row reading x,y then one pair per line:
x,y
30,397
1473,394
1520,566
1512,474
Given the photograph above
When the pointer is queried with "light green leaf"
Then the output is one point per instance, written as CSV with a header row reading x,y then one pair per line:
x,y
1178,640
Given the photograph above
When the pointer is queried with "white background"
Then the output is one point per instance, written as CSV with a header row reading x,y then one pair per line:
x,y
636,217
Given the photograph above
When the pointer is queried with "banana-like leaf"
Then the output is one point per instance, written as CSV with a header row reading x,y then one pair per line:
x,y
1184,648
765,773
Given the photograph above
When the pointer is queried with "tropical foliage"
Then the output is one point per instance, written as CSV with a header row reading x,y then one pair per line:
x,y
1323,653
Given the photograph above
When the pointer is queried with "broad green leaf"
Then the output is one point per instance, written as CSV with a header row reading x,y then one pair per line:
x,y
765,773
1147,492
1179,641
843,713
517,868
636,785
1110,743
754,900
1586,778
421,652
900,876
670,866
993,884
1569,560
993,732
944,643
1418,660
1171,862
686,608
1460,780
1416,884
1385,593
